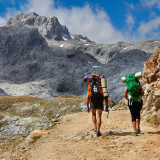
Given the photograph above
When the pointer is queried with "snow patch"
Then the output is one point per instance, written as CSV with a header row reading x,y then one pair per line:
x,y
95,66
127,48
87,44
72,36
65,39
61,45
83,40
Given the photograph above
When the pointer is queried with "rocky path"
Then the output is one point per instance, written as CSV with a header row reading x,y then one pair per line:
x,y
73,139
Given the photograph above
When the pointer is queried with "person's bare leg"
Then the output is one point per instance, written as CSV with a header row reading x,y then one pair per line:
x,y
138,126
134,125
137,123
99,115
94,118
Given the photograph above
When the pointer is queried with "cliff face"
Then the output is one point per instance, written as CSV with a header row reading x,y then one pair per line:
x,y
151,72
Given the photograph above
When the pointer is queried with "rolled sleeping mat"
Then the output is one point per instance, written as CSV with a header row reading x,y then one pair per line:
x,y
123,79
138,75
103,83
105,92
104,87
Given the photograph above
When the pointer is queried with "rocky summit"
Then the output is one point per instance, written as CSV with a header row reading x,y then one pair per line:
x,y
40,57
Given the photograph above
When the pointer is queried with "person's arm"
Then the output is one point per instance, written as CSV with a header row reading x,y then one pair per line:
x,y
125,93
87,102
142,92
106,101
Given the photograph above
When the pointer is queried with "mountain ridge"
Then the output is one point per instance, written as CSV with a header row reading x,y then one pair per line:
x,y
37,61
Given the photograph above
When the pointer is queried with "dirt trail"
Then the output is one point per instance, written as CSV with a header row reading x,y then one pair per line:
x,y
74,139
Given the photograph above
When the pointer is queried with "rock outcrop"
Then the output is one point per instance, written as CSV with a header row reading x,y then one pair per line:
x,y
34,135
2,93
123,104
151,108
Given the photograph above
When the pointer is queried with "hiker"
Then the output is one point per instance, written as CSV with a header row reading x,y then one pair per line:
x,y
95,98
135,106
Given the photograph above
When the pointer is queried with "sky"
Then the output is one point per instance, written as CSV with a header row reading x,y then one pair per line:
x,y
102,21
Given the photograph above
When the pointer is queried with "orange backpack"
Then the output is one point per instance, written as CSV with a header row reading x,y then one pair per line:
x,y
94,87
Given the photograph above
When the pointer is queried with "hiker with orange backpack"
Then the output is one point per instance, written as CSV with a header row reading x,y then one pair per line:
x,y
133,92
95,97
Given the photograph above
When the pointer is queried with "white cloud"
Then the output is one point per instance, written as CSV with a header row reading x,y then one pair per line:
x,y
150,3
130,6
149,27
96,25
79,20
11,12
130,21
3,21
41,7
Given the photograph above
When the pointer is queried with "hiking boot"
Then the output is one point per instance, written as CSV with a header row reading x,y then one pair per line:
x,y
138,130
98,134
134,134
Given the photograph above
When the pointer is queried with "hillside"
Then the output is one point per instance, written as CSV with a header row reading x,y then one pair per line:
x,y
20,115
40,57
73,138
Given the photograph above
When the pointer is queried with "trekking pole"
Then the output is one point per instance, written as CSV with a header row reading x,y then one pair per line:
x,y
108,112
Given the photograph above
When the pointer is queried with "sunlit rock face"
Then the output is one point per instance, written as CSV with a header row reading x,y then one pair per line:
x,y
152,85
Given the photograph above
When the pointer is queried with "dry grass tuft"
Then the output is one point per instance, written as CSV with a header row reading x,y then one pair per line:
x,y
7,101
154,120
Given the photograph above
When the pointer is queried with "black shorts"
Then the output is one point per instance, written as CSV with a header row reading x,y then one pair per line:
x,y
97,104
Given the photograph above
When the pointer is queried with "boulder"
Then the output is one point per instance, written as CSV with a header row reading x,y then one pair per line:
x,y
36,134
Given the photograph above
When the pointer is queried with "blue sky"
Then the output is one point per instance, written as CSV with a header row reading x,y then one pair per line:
x,y
103,21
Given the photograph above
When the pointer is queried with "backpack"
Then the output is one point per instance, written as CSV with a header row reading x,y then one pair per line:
x,y
94,87
133,88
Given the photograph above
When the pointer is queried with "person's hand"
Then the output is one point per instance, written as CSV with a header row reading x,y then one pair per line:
x,y
107,109
88,109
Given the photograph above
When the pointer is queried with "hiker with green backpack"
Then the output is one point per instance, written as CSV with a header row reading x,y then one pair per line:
x,y
133,93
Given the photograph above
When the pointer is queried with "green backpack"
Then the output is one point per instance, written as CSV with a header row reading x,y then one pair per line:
x,y
133,88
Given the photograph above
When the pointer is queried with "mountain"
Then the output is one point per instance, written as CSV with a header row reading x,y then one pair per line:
x,y
40,57
49,27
